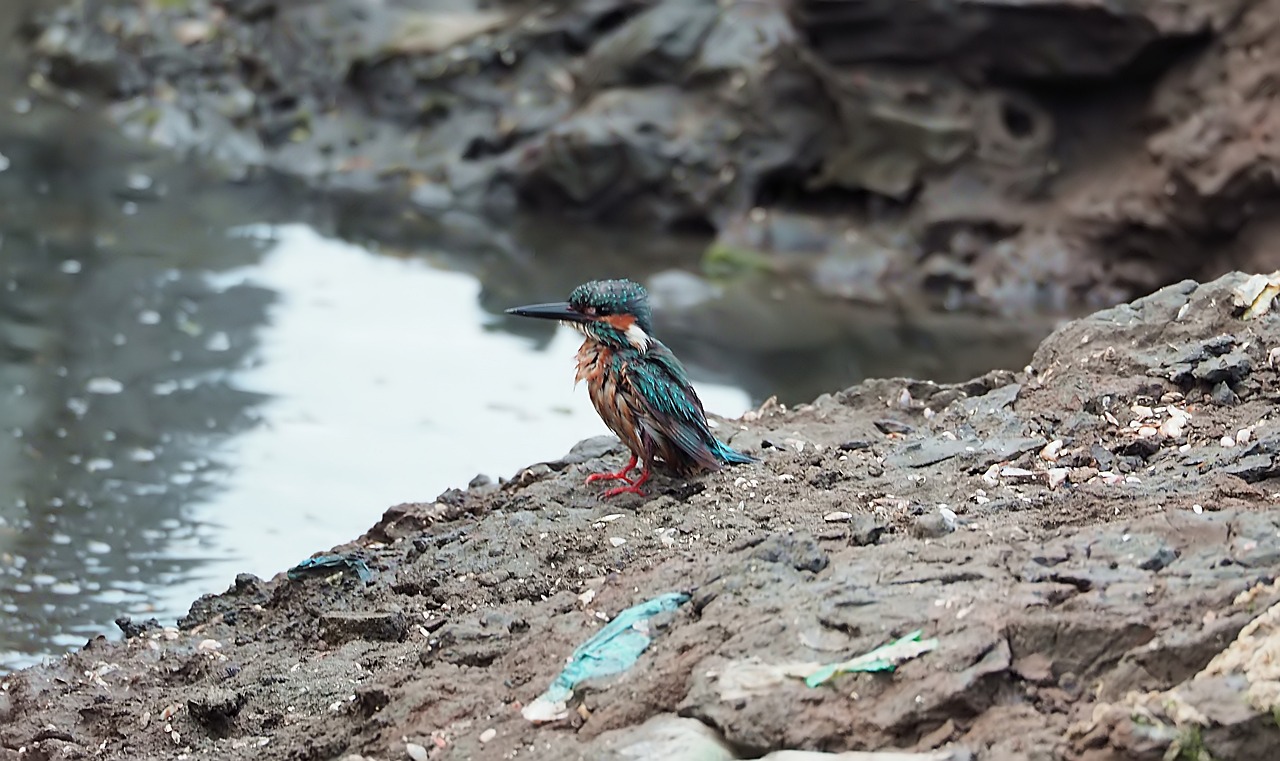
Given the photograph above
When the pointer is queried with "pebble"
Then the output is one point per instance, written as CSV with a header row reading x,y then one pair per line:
x,y
932,526
488,735
617,541
415,751
104,386
837,516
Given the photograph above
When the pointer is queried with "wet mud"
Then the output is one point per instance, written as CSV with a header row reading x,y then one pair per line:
x,y
1092,539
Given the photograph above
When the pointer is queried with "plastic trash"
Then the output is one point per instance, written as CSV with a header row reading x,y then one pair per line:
x,y
883,658
612,650
327,564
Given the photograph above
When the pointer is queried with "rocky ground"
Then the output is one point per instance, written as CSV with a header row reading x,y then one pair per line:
x,y
982,154
1093,541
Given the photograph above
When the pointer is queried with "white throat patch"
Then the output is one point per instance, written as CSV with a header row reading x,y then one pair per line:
x,y
637,337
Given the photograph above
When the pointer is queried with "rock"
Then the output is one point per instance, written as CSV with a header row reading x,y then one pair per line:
x,y
931,526
899,127
337,627
918,454
466,644
426,32
499,621
592,449
654,46
697,114
1223,396
131,630
1229,368
662,736
797,551
1001,449
866,529
1252,468
1073,40
893,426
216,708
1161,558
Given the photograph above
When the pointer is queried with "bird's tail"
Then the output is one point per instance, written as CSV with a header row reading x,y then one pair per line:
x,y
730,456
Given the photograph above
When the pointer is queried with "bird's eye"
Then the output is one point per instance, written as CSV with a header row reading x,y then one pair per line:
x,y
590,311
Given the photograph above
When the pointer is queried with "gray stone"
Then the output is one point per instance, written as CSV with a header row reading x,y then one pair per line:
x,y
338,627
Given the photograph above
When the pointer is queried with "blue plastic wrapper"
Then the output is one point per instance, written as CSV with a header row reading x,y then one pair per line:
x,y
612,650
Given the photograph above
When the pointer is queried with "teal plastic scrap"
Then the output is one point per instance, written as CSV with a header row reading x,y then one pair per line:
x,y
612,650
883,658
328,564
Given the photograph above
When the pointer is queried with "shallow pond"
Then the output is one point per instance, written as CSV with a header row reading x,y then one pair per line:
x,y
199,379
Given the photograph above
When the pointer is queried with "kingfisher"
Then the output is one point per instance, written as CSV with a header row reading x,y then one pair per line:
x,y
636,384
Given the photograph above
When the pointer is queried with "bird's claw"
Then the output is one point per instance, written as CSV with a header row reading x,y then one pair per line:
x,y
630,489
607,477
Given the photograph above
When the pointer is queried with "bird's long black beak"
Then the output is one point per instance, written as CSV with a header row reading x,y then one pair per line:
x,y
559,310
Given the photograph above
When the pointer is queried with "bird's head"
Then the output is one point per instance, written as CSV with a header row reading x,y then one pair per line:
x,y
612,312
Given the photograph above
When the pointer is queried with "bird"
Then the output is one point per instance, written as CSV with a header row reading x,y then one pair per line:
x,y
637,385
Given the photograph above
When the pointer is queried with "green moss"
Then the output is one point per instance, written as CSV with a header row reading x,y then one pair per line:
x,y
722,260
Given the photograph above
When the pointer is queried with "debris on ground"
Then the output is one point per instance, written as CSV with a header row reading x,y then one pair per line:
x,y
328,565
883,658
612,650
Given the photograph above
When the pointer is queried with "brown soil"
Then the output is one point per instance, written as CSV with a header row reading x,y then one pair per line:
x,y
1066,583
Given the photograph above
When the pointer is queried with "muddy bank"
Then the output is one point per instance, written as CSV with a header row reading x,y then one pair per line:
x,y
987,155
1092,540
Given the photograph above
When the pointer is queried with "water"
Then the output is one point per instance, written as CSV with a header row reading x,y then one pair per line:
x,y
199,379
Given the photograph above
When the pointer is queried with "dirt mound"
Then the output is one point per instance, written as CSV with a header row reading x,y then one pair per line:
x,y
980,154
1085,539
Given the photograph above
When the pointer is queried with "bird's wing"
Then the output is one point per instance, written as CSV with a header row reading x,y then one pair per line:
x,y
676,410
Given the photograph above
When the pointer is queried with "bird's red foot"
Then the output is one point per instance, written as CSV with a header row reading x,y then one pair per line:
x,y
632,487
619,476
615,491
